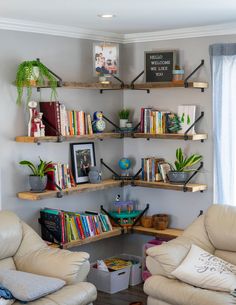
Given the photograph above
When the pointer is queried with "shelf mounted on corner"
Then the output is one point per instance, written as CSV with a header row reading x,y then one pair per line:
x,y
122,84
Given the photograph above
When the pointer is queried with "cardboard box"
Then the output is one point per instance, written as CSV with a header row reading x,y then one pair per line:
x,y
110,282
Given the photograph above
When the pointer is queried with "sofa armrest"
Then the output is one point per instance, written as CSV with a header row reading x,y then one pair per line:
x,y
164,259
71,267
35,256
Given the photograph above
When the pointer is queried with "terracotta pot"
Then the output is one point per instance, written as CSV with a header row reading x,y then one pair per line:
x,y
146,221
160,221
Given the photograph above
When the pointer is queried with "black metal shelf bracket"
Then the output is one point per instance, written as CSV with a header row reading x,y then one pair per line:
x,y
60,192
135,177
60,137
191,74
114,219
117,128
186,137
139,217
190,178
134,80
122,84
59,82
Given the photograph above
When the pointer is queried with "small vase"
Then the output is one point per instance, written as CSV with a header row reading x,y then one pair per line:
x,y
123,123
37,184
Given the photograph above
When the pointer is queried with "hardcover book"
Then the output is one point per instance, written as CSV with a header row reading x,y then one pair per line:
x,y
51,118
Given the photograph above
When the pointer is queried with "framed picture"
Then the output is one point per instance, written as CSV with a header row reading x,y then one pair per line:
x,y
105,59
82,158
159,65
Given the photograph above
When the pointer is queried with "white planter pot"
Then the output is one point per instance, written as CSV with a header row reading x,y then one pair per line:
x,y
123,123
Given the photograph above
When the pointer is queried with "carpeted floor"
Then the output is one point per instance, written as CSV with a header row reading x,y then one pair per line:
x,y
123,297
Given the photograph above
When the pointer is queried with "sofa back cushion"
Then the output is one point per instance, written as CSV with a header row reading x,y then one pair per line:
x,y
220,223
10,234
8,264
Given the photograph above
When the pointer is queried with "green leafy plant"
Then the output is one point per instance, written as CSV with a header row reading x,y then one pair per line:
x,y
41,169
124,114
183,163
27,78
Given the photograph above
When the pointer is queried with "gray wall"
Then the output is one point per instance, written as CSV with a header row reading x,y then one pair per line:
x,y
71,59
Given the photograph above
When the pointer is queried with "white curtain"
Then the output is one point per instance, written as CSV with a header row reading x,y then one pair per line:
x,y
223,63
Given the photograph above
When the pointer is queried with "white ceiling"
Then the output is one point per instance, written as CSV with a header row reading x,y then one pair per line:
x,y
132,16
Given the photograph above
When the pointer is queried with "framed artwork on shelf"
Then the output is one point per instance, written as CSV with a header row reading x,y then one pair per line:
x,y
105,59
82,158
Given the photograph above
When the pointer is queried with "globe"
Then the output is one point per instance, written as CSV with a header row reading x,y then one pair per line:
x,y
124,163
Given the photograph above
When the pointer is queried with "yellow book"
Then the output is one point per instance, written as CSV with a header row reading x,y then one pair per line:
x,y
74,231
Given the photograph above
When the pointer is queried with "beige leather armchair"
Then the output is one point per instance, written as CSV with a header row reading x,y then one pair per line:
x,y
22,249
215,232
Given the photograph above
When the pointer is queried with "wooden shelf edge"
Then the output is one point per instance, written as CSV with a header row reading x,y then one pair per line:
x,y
171,136
96,136
161,233
104,235
160,85
190,187
81,188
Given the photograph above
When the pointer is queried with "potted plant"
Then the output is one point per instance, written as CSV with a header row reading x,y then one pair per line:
x,y
181,169
30,74
38,178
124,117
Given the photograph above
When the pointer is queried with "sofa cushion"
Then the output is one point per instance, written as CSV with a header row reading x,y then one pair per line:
x,y
10,234
6,302
172,291
205,270
78,294
7,263
220,223
27,286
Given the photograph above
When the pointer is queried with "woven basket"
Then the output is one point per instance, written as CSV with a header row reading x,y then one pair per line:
x,y
160,221
146,221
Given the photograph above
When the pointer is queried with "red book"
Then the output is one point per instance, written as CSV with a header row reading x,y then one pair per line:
x,y
142,120
51,118
80,227
51,179
62,227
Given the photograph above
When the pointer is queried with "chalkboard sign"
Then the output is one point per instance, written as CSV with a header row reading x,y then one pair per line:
x,y
159,65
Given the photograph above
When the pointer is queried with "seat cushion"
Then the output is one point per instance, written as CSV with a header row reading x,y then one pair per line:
x,y
78,294
178,293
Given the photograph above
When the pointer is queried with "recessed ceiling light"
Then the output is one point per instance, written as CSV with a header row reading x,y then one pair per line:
x,y
106,16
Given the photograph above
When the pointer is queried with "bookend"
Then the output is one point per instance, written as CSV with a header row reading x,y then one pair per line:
x,y
194,71
194,173
120,177
122,84
194,123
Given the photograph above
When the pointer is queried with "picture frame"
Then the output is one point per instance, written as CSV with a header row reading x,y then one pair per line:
x,y
82,158
159,64
105,59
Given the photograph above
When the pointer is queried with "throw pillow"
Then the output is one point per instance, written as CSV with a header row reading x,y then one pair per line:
x,y
27,286
204,270
6,302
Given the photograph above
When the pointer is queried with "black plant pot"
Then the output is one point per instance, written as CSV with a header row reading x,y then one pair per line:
x,y
37,184
178,177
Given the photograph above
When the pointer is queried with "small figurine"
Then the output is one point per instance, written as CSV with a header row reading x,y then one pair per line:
x,y
32,127
98,123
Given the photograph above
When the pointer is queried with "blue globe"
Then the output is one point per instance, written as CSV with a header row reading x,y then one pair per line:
x,y
124,163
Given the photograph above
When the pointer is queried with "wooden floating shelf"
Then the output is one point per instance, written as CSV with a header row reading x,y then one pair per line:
x,y
190,187
81,188
117,86
171,136
104,235
197,85
110,135
96,136
172,233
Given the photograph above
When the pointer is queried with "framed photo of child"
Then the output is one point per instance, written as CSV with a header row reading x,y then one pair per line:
x,y
82,158
105,59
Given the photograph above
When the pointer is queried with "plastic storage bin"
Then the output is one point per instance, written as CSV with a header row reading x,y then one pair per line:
x,y
110,282
136,269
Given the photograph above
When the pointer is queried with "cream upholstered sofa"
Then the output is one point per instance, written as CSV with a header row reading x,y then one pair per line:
x,y
22,249
215,232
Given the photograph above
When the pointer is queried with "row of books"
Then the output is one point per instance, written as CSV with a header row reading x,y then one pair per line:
x,y
159,122
154,169
61,176
62,226
60,121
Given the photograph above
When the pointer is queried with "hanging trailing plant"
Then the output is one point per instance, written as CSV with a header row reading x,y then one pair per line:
x,y
33,73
